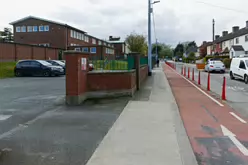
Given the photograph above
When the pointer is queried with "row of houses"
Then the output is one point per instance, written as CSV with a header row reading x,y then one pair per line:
x,y
38,31
232,43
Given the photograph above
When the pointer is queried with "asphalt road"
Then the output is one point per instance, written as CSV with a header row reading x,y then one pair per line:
x,y
36,128
236,90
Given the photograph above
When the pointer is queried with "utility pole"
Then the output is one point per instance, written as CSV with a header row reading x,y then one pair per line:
x,y
156,49
213,36
149,39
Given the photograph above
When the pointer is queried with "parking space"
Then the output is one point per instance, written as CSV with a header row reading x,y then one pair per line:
x,y
23,99
37,128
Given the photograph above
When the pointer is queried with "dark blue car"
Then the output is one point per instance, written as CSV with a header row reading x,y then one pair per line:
x,y
37,68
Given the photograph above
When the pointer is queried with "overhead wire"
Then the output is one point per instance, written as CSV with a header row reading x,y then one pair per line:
x,y
222,7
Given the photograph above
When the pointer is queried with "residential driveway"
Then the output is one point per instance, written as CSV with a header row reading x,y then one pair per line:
x,y
236,90
36,128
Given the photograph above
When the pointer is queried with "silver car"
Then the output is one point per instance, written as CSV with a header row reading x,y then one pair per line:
x,y
215,66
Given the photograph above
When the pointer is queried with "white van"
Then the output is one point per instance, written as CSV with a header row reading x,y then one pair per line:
x,y
239,68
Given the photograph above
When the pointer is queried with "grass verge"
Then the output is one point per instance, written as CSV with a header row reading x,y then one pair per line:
x,y
7,69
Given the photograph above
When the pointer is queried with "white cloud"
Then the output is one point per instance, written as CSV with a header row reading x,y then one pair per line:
x,y
176,20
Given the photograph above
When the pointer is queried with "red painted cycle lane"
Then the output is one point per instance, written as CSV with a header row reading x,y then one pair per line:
x,y
216,136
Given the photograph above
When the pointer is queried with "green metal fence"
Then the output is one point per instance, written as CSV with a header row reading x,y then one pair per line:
x,y
121,64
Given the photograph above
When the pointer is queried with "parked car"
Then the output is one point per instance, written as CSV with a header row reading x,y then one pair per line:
x,y
215,66
57,63
239,68
37,68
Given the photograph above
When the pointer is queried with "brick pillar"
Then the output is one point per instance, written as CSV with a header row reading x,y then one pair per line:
x,y
137,68
76,77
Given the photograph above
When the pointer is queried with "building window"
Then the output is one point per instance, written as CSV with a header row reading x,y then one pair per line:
x,y
85,49
77,49
104,43
82,37
23,28
93,41
71,31
93,50
86,39
237,40
78,36
246,38
99,42
35,28
30,28
41,28
74,34
46,28
18,29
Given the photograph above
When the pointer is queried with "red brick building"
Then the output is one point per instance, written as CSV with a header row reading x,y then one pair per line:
x,y
120,46
38,31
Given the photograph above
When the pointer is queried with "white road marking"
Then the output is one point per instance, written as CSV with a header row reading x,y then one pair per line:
x,y
4,117
217,102
233,138
239,118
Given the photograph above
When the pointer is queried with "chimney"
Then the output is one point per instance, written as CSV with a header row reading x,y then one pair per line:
x,y
246,24
217,36
224,33
235,29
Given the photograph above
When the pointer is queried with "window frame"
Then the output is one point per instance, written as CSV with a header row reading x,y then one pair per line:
x,y
40,28
85,48
34,28
18,27
99,42
243,63
93,40
237,40
246,38
22,29
46,28
93,52
29,28
77,49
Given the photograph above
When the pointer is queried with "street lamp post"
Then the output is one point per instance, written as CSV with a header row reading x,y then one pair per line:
x,y
149,36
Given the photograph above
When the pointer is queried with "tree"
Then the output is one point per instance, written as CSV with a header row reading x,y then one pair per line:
x,y
179,50
137,43
6,35
164,51
191,56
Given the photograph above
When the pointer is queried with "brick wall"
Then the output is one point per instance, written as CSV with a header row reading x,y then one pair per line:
x,y
107,81
14,51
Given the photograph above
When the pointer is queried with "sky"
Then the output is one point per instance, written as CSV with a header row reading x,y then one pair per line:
x,y
175,20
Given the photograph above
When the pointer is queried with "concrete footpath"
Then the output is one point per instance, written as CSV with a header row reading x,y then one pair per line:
x,y
147,132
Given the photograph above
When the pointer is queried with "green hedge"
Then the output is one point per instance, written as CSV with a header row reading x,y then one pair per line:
x,y
7,69
215,57
227,62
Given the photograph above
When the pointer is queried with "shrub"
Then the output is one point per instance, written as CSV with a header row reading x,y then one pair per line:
x,y
215,57
227,62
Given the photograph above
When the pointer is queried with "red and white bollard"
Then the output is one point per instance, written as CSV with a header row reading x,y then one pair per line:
x,y
199,78
208,85
224,89
193,74
188,72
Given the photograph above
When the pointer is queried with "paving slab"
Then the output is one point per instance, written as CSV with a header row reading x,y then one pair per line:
x,y
147,132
